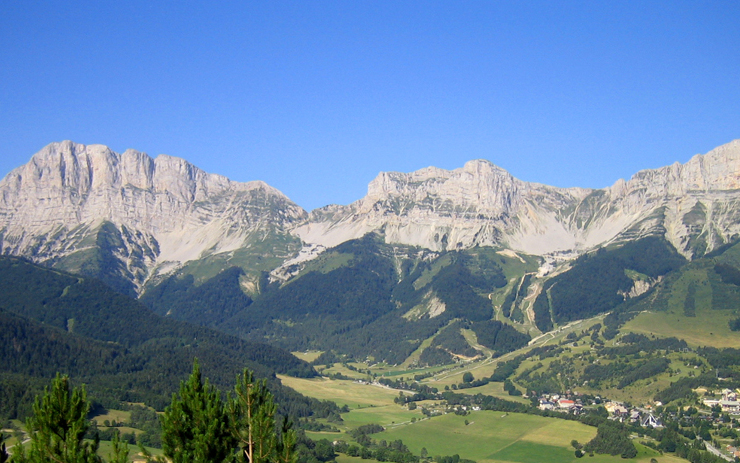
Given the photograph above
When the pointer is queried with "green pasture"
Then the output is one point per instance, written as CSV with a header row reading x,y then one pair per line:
x,y
488,433
386,416
330,436
493,437
348,459
118,416
341,369
106,449
495,390
342,391
708,328
308,356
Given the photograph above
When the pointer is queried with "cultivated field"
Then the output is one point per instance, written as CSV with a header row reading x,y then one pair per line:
x,y
343,392
712,330
489,437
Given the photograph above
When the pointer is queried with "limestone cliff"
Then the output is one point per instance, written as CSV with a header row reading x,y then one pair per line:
x,y
127,217
694,205
142,213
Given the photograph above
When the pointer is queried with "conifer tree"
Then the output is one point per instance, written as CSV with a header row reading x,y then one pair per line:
x,y
195,426
252,418
3,452
58,427
285,447
120,450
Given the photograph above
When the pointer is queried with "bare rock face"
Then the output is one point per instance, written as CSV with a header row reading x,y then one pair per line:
x,y
72,203
128,218
694,205
439,209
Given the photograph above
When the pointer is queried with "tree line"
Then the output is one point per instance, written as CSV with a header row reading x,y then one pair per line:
x,y
198,425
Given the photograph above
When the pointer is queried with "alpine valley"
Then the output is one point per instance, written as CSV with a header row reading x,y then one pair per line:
x,y
420,250
630,292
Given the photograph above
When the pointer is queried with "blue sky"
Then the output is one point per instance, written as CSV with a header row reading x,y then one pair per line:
x,y
316,97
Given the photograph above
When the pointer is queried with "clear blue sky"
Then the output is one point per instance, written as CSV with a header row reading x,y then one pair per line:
x,y
316,97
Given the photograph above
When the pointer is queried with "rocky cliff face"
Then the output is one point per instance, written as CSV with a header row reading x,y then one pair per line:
x,y
73,204
694,205
128,217
478,204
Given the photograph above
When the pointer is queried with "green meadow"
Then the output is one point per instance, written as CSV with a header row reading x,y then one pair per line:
x,y
711,330
343,392
490,433
493,437
489,437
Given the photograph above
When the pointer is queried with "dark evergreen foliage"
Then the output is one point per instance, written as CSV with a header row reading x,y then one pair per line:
x,y
123,351
626,372
514,297
645,370
684,388
541,308
435,356
508,304
596,281
635,343
720,358
210,304
195,427
613,439
3,453
499,336
728,273
455,285
58,426
357,308
689,305
451,340
341,309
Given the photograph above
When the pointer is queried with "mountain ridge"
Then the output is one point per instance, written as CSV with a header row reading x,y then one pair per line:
x,y
132,219
164,211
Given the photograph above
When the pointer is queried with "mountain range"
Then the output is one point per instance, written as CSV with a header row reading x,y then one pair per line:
x,y
426,249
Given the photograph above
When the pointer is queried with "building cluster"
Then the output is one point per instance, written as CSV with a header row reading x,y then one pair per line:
x,y
572,403
618,411
566,403
728,402
733,451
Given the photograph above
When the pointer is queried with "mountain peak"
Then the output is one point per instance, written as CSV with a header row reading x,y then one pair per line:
x,y
160,211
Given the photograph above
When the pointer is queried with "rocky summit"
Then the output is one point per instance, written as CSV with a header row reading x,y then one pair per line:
x,y
129,218
74,205
694,205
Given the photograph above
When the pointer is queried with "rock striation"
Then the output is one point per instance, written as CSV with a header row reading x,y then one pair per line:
x,y
72,202
129,218
694,205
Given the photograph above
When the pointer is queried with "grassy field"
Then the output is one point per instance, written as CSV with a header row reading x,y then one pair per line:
x,y
490,437
493,437
488,434
708,328
387,416
495,390
340,368
308,356
106,449
342,391
112,415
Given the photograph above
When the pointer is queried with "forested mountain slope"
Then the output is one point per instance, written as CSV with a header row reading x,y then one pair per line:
x,y
56,322
132,220
362,298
